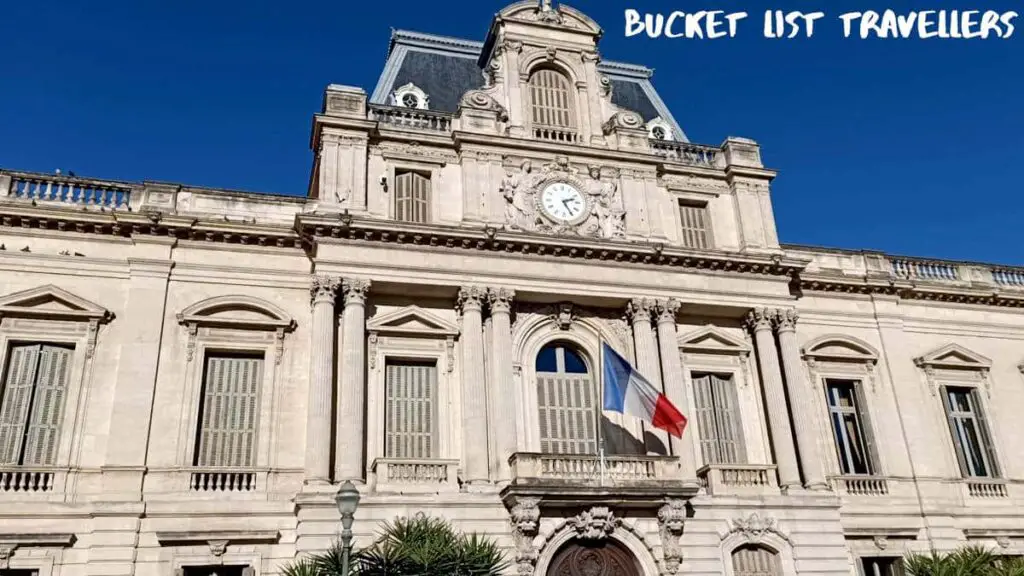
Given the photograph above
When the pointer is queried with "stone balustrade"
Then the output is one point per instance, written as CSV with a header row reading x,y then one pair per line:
x,y
556,135
686,153
861,485
60,189
586,469
411,118
738,479
27,479
913,269
986,488
225,480
415,475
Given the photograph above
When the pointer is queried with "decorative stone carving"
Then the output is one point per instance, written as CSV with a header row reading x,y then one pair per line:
x,y
324,288
516,189
418,151
278,345
595,524
671,518
372,339
785,320
623,119
759,319
564,315
410,96
355,290
525,517
449,346
218,547
754,527
6,551
667,310
640,309
1003,541
481,100
500,299
471,297
881,542
608,219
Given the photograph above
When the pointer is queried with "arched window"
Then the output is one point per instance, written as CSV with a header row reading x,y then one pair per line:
x,y
551,106
755,561
567,399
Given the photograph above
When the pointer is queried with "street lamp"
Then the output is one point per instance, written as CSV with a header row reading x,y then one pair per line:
x,y
347,500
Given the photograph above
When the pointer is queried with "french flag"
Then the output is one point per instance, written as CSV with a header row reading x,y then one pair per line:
x,y
627,392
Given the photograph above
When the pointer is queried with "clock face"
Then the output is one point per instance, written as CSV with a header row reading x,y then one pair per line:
x,y
562,202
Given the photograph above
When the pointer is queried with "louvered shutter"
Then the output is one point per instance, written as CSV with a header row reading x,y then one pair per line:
x,y
958,446
567,404
983,431
727,420
693,221
43,432
755,561
412,197
551,100
870,457
411,402
17,396
227,436
705,413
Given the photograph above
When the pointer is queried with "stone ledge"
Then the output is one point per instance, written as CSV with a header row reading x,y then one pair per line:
x,y
232,536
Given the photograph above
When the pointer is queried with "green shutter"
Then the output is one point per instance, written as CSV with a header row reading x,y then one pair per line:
x,y
43,433
411,403
227,434
17,395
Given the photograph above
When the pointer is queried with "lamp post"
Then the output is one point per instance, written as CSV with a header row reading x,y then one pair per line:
x,y
347,500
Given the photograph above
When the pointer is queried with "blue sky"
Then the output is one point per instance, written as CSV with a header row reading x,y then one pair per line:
x,y
907,146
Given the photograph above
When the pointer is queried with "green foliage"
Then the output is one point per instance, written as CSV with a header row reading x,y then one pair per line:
x,y
418,546
967,561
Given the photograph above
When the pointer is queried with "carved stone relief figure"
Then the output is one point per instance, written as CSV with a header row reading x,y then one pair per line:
x,y
516,189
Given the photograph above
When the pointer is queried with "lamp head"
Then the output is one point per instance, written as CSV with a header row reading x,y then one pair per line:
x,y
347,500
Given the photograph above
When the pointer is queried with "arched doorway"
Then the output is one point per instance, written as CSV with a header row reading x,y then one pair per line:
x,y
604,558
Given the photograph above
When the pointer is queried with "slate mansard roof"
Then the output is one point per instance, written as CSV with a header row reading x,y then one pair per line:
x,y
446,68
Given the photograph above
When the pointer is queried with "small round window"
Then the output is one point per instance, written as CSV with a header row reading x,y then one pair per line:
x,y
658,133
410,101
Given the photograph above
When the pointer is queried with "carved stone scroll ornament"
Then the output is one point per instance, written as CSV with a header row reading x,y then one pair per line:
x,y
449,346
371,355
595,524
480,100
6,551
218,547
671,518
278,345
623,119
525,523
324,288
355,290
754,528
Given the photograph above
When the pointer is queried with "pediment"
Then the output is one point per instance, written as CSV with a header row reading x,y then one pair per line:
x,y
557,15
840,348
411,320
52,302
954,356
712,340
238,311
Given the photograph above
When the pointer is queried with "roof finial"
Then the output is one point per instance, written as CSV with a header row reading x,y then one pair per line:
x,y
545,5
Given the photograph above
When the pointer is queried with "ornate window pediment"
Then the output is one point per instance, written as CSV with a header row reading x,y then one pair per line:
x,y
839,348
51,303
712,340
955,357
412,320
240,312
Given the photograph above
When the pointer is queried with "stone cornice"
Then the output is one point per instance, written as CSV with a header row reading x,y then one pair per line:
x,y
909,290
316,226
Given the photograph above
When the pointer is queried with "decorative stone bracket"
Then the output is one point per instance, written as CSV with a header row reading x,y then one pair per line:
x,y
525,513
754,528
671,518
595,524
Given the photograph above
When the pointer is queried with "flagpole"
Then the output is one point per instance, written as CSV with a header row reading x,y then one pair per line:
x,y
600,442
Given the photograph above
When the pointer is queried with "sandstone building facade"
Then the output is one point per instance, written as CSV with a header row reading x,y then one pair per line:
x,y
189,373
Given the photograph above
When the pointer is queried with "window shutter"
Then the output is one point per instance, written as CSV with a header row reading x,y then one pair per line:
x,y
870,456
227,436
727,420
551,100
43,433
420,197
755,561
403,195
567,405
411,402
957,446
17,395
705,412
693,221
983,431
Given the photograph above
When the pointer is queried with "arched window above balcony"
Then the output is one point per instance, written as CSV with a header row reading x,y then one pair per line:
x,y
567,399
552,106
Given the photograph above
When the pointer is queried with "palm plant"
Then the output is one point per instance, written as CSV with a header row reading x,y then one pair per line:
x,y
418,546
967,561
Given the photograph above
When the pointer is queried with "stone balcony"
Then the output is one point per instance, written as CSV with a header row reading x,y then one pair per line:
x,y
567,479
738,479
415,476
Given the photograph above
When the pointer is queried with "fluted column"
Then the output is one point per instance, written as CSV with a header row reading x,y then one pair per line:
x,y
640,311
323,292
799,397
348,464
502,393
474,391
760,321
675,385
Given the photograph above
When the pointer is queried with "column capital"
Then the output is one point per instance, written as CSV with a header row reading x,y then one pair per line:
x,y
471,298
785,320
640,309
323,288
667,310
760,319
355,290
500,299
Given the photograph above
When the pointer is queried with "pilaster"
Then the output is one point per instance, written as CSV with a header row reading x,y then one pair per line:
x,y
502,395
474,392
323,291
348,464
759,321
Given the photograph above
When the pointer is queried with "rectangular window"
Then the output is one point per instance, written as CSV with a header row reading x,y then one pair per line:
x,y
229,411
882,566
718,419
693,219
848,426
970,433
410,422
32,403
412,196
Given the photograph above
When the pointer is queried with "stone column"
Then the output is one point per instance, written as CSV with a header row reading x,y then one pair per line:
x,y
474,391
800,398
760,321
323,291
350,441
675,386
502,394
640,311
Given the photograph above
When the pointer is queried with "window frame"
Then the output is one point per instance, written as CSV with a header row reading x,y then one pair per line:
x,y
216,351
435,405
983,430
396,165
574,111
738,426
705,206
598,392
413,172
862,419
862,569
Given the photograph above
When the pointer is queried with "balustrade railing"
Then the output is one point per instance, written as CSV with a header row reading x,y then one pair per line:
x,y
861,485
562,135
1008,277
411,118
986,489
26,480
59,189
738,478
589,469
909,269
223,480
684,152
416,475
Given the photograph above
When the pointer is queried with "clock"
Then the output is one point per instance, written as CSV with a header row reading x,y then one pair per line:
x,y
562,202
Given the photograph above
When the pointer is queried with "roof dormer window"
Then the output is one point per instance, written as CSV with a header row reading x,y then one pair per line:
x,y
658,129
410,96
